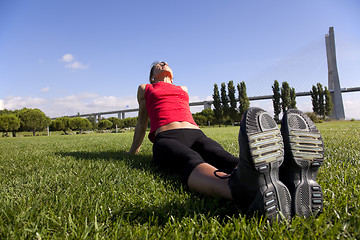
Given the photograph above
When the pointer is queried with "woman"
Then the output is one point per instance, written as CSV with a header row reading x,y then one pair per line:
x,y
179,144
254,182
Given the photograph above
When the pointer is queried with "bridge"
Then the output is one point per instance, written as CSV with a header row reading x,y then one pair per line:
x,y
333,86
206,104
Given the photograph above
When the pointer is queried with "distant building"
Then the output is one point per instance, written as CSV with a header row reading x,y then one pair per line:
x,y
1,104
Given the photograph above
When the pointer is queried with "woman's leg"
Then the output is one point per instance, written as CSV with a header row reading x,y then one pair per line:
x,y
203,180
172,150
214,154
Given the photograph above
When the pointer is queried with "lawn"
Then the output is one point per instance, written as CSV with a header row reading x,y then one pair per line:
x,y
87,187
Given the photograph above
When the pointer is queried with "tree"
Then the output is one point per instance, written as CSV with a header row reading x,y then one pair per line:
x,y
292,98
233,113
321,105
244,102
285,96
321,100
217,104
200,120
315,99
116,122
9,123
328,102
276,100
204,117
224,102
5,111
14,112
130,122
313,116
209,114
79,124
61,124
105,124
33,120
92,119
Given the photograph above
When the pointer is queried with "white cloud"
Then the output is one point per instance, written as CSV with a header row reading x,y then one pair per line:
x,y
76,97
46,89
111,103
67,58
83,103
12,103
76,65
86,103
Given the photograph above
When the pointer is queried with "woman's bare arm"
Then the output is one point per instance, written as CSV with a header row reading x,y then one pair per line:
x,y
141,125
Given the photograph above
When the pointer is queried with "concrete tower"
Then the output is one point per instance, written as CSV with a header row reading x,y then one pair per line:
x,y
333,77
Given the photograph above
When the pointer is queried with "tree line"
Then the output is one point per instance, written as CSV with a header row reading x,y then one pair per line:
x,y
66,124
228,109
34,120
29,120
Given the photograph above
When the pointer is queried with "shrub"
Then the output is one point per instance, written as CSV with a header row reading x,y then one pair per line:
x,y
105,124
78,123
9,123
33,120
61,124
200,120
130,122
314,117
116,122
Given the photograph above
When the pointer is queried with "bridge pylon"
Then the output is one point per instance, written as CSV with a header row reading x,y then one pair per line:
x,y
333,77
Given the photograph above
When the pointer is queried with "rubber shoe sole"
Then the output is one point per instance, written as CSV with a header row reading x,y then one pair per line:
x,y
304,154
265,153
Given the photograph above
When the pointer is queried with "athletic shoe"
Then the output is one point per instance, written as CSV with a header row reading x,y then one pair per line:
x,y
304,154
255,184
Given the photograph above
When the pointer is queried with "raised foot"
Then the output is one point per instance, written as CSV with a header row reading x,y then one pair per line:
x,y
262,146
304,154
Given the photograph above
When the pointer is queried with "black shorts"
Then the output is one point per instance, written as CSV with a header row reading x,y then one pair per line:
x,y
181,150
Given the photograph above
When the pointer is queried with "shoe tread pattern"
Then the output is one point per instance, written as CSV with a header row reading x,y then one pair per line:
x,y
307,152
267,151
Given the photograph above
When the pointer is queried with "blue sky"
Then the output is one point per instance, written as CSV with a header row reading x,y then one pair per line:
x,y
66,57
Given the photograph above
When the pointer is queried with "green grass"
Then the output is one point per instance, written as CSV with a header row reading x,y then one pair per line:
x,y
87,187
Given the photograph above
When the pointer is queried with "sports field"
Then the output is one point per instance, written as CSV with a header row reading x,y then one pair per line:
x,y
87,187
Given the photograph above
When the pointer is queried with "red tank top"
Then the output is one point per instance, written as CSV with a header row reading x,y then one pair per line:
x,y
166,103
